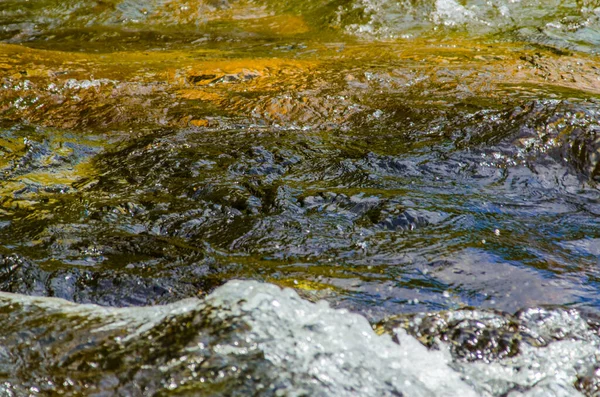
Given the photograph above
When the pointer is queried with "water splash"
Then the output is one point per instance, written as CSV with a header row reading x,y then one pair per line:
x,y
252,337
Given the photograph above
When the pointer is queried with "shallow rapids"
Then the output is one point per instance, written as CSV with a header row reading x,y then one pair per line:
x,y
422,176
248,337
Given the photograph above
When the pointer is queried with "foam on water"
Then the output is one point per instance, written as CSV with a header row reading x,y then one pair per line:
x,y
283,344
249,336
560,23
536,352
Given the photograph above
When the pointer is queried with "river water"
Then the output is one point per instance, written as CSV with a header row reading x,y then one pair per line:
x,y
420,177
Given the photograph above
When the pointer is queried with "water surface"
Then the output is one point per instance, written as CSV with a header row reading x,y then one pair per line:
x,y
413,162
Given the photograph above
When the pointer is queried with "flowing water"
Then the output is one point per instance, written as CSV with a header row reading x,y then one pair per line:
x,y
420,176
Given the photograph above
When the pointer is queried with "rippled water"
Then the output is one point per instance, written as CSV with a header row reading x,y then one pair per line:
x,y
430,166
566,24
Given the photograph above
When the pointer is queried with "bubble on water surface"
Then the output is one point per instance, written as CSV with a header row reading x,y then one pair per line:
x,y
248,336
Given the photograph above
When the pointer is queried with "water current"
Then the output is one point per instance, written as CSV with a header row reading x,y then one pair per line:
x,y
346,197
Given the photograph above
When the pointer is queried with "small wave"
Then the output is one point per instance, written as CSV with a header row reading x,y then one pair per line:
x,y
253,337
